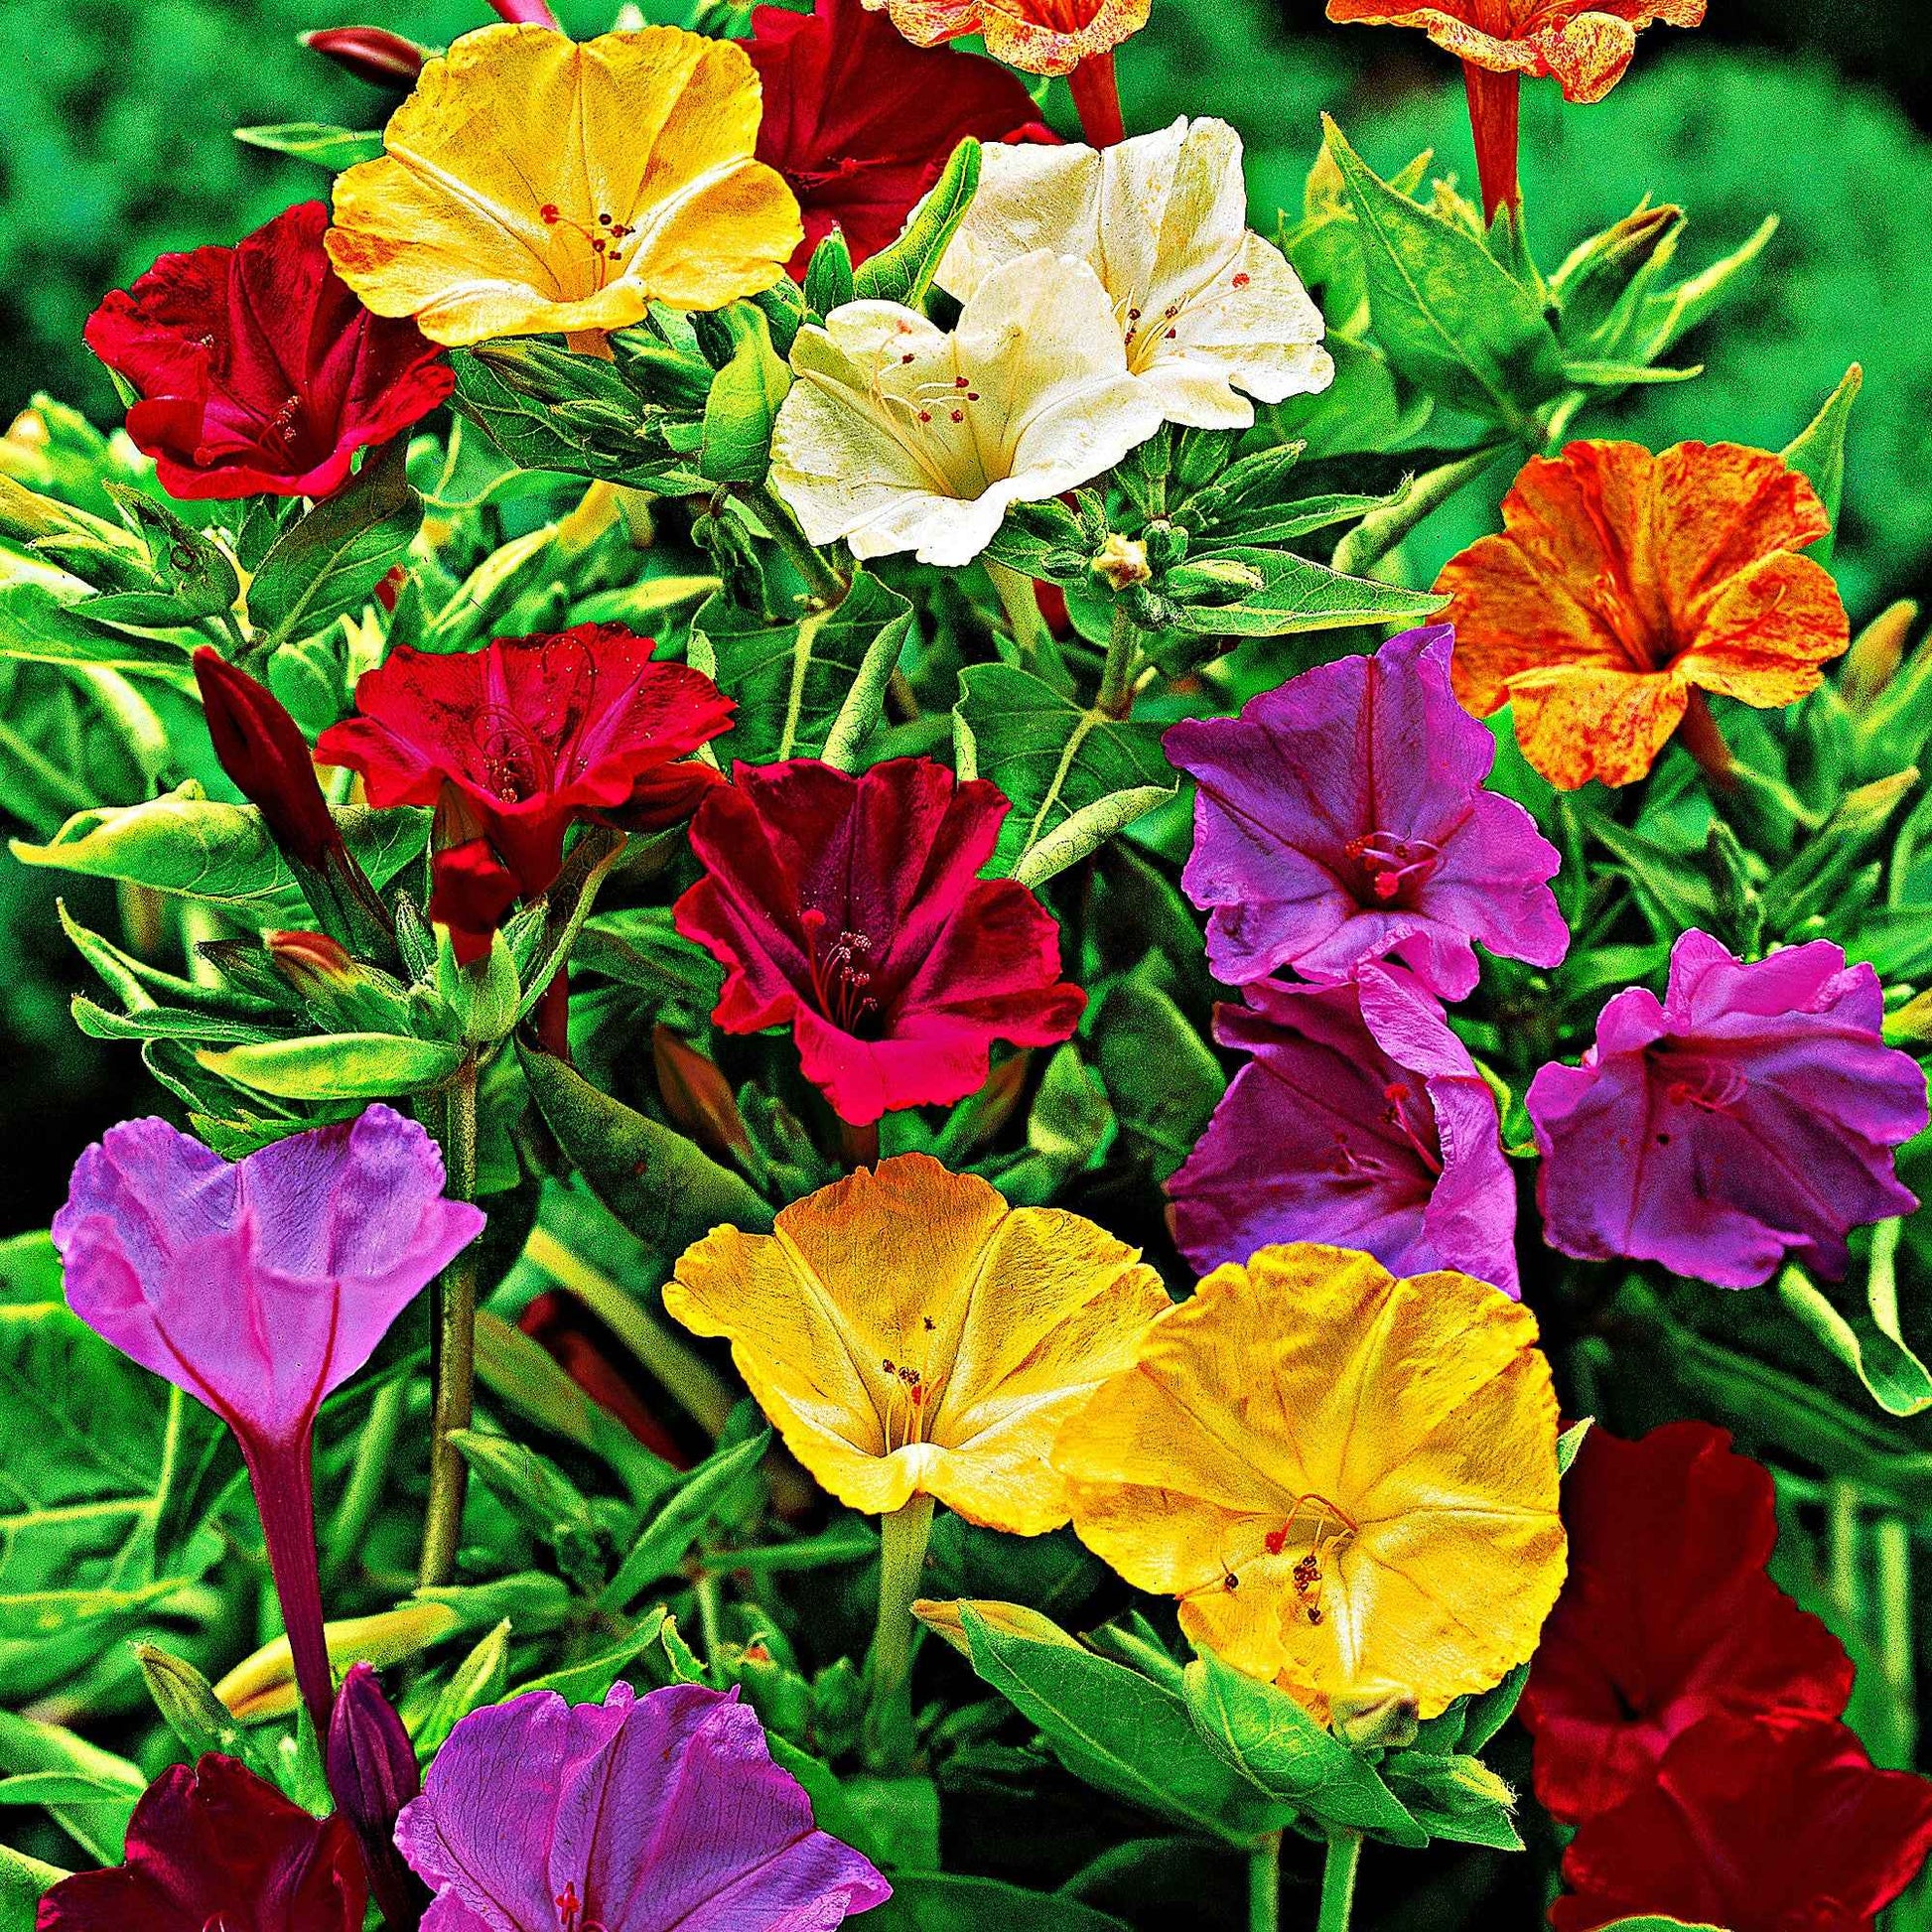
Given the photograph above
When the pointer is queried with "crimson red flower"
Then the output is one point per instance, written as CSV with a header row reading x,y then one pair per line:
x,y
214,1846
850,909
1755,1824
522,740
259,373
860,122
1667,1616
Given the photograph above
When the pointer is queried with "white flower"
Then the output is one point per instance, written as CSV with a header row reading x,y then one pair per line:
x,y
898,436
1203,306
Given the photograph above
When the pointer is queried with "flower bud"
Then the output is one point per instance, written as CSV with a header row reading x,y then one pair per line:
x,y
1876,655
1592,281
532,13
1213,580
343,993
698,1097
1376,1717
372,1776
372,54
946,1620
1121,562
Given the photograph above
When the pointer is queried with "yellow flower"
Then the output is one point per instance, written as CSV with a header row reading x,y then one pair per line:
x,y
534,184
1348,1481
911,1335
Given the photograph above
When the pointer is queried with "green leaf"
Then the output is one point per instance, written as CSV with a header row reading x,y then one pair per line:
x,y
955,1901
710,1491
1453,1796
1817,452
337,1066
1075,776
334,148
22,1881
541,1497
1871,1347
96,1793
191,577
1284,1752
1567,1444
903,272
328,564
807,689
1447,314
1670,314
1653,1922
43,625
743,401
1161,1075
590,1680
1293,595
1121,1732
1623,375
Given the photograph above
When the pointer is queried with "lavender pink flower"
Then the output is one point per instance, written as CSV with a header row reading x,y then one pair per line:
x,y
1360,1121
633,1814
1749,1115
1342,819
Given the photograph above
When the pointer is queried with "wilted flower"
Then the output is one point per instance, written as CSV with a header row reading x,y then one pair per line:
x,y
257,369
1036,35
533,183
1204,306
1667,1615
213,1845
852,907
633,1814
1341,818
911,1335
1361,1119
1626,585
860,122
1749,1114
1348,1481
897,436
259,1287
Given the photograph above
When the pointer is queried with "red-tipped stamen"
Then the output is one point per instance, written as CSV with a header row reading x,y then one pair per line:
x,y
1494,104
1096,97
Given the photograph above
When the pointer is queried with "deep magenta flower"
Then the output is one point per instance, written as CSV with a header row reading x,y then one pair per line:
x,y
1341,818
526,738
259,373
372,1776
216,1846
860,121
1667,1615
852,910
633,1814
1758,1825
1361,1121
1750,1114
258,1288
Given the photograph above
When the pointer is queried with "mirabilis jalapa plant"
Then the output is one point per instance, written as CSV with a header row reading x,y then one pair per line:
x,y
819,773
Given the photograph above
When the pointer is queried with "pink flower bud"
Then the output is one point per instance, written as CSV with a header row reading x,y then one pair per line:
x,y
372,54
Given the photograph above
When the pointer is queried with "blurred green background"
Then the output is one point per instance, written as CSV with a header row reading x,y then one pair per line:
x,y
115,145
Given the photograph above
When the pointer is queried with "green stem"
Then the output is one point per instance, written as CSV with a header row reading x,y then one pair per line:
x,y
902,1538
453,1348
1338,1882
1123,660
1022,606
824,583
1265,1884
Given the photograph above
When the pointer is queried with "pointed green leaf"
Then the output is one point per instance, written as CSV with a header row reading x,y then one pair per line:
x,y
334,148
1295,595
337,1066
707,1493
743,401
191,577
903,272
1817,452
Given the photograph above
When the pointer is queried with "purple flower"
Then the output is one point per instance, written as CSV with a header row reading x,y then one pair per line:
x,y
633,1814
1362,1122
258,1288
1342,819
1750,1114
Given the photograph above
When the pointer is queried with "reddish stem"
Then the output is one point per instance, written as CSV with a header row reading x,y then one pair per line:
x,y
1494,103
1096,97
281,1477
1702,737
859,1145
553,1017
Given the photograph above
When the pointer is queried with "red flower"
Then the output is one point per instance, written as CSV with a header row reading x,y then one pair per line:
x,y
258,370
1667,1616
216,1847
851,908
860,122
1755,1824
522,740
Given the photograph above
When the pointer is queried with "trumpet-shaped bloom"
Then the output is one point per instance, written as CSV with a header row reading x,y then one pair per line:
x,y
852,910
860,122
1623,581
1342,819
1749,1115
1362,1118
1667,1615
1348,1481
1034,36
1585,43
661,1813
910,1335
257,369
533,183
532,734
897,436
258,1288
1203,306
214,1846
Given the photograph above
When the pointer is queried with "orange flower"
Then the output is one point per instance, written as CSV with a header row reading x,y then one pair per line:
x,y
1626,584
1039,36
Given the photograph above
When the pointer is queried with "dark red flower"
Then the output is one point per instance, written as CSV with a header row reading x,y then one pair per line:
x,y
1758,1825
1667,1616
259,373
850,909
526,738
214,1846
861,122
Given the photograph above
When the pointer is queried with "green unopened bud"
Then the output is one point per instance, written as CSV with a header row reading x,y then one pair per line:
x,y
1213,579
1592,282
1202,453
485,996
1376,1717
947,1621
188,1704
1876,655
1121,562
345,995
1167,543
